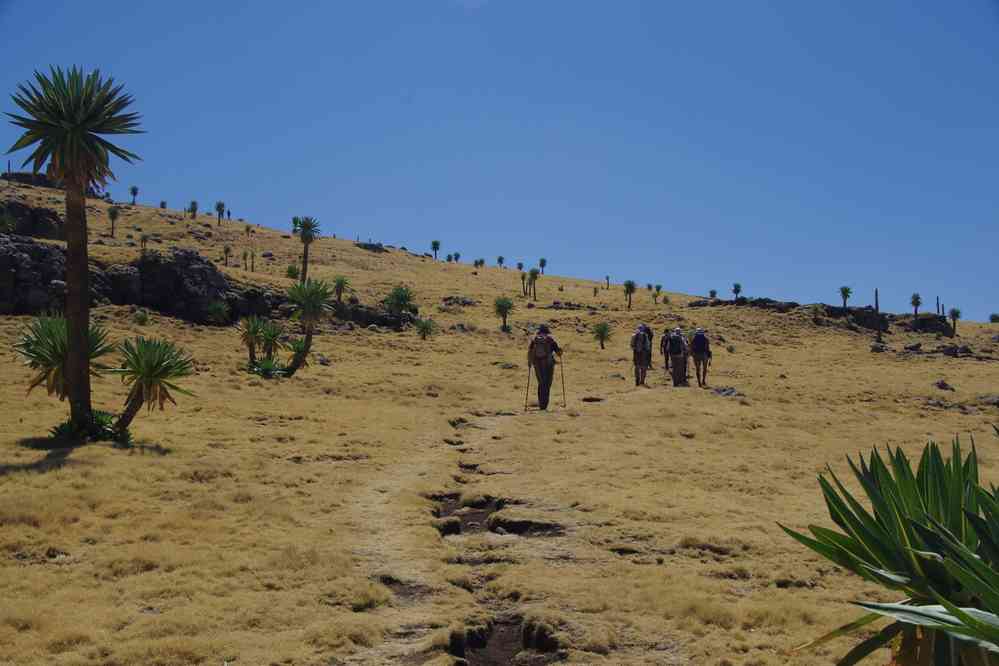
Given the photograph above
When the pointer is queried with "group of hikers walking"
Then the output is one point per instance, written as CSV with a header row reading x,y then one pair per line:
x,y
676,348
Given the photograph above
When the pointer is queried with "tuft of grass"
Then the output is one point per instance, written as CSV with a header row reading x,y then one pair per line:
x,y
217,312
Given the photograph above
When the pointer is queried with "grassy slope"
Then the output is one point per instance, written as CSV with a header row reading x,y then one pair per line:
x,y
254,520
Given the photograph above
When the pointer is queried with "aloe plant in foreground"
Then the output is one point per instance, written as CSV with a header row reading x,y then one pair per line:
x,y
885,544
44,345
150,368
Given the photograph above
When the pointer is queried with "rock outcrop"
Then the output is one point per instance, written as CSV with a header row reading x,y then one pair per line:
x,y
762,303
180,283
35,221
31,275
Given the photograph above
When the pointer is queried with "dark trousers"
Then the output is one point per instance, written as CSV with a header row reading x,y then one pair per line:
x,y
545,374
678,363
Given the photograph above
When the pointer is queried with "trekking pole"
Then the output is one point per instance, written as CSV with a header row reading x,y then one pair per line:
x,y
562,367
528,392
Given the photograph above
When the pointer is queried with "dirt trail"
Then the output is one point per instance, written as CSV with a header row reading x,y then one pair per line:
x,y
481,533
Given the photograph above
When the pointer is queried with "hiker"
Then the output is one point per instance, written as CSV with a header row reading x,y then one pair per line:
x,y
541,356
676,354
641,352
700,349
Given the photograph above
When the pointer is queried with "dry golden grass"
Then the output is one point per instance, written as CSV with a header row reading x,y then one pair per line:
x,y
288,521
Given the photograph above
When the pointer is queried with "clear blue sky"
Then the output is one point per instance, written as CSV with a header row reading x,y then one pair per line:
x,y
791,146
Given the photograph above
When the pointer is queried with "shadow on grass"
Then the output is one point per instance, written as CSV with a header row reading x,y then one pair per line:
x,y
56,458
59,451
143,448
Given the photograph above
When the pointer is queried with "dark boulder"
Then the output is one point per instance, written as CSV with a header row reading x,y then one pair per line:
x,y
926,322
761,303
365,316
182,284
372,247
27,269
34,221
458,301
125,284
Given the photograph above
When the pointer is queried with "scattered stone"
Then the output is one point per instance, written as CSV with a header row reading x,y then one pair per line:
x,y
989,400
567,305
943,385
593,398
372,247
624,550
915,347
267,255
506,365
323,360
687,434
879,347
459,301
727,392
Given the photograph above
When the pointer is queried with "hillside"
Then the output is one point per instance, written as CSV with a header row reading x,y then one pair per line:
x,y
299,521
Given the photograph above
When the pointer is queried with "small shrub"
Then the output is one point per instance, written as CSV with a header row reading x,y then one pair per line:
x,y
994,318
426,328
713,293
400,300
503,306
163,204
267,368
217,312
602,332
292,271
730,349
140,317
102,430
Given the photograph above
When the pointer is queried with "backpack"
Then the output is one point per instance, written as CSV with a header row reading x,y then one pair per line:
x,y
542,349
640,342
675,344
699,344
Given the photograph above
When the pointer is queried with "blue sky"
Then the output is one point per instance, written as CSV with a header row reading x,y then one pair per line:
x,y
790,146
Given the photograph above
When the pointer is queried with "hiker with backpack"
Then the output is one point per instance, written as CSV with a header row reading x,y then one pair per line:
x,y
541,356
676,355
641,351
700,349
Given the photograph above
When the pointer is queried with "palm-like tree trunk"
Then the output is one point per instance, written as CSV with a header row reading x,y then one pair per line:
x,y
534,289
629,301
252,351
77,306
504,322
132,407
305,263
602,344
298,359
